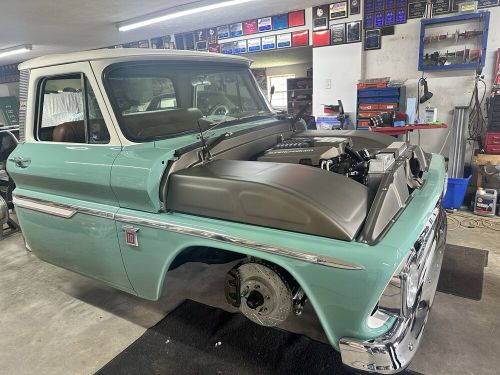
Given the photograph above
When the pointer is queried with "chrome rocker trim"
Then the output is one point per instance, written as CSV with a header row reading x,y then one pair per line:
x,y
68,211
393,351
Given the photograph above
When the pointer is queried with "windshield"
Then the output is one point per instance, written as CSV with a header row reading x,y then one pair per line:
x,y
161,100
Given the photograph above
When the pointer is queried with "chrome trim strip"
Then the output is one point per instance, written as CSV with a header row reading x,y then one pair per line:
x,y
68,211
300,255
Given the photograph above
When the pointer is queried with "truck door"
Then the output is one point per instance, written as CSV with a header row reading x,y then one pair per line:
x,y
63,196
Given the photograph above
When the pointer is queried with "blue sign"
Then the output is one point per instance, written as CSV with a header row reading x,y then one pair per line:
x,y
280,21
379,19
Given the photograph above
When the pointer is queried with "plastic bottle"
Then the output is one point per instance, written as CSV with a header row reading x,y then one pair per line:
x,y
485,203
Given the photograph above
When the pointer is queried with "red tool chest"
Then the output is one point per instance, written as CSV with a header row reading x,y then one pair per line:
x,y
492,143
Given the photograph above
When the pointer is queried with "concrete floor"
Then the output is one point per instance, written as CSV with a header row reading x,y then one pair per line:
x,y
54,321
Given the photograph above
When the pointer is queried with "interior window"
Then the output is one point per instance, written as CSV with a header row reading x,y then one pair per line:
x,y
69,111
280,96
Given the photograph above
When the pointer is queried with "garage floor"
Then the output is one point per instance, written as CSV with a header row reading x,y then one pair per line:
x,y
54,321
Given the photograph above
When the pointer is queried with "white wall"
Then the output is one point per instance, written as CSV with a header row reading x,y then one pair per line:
x,y
398,59
299,70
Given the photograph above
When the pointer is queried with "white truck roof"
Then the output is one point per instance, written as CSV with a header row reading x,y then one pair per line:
x,y
116,53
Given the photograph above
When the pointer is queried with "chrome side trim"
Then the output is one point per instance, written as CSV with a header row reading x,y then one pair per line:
x,y
65,211
68,211
300,255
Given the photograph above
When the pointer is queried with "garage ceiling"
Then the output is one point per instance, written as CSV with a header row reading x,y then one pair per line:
x,y
72,25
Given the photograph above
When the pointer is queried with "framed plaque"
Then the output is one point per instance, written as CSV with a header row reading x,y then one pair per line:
x,y
297,18
321,38
401,16
223,32
353,32
337,34
280,21
268,42
402,3
236,29
214,48
487,3
157,43
254,45
440,7
338,10
369,6
390,4
320,18
264,24
416,8
379,19
202,45
179,41
354,7
240,46
387,30
212,36
189,41
373,39
284,40
379,5
300,38
390,17
369,20
250,27
200,35
144,43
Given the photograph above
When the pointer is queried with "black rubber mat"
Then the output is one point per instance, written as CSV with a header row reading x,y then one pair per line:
x,y
198,339
462,272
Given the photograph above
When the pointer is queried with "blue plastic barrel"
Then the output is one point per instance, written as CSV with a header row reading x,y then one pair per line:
x,y
457,187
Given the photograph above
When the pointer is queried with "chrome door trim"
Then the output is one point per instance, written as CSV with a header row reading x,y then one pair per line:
x,y
68,211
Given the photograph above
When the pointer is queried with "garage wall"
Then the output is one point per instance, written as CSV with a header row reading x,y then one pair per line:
x,y
398,59
300,70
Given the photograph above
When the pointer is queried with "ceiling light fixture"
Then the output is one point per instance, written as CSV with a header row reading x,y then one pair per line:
x,y
145,21
15,50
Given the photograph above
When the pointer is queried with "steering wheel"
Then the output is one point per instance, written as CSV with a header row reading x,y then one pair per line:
x,y
219,110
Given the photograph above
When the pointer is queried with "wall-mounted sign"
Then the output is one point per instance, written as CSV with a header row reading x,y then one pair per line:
x,y
338,10
369,6
214,48
200,35
202,46
236,29
337,34
268,42
212,36
240,46
373,39
416,8
284,40
227,48
353,32
390,17
189,41
401,16
379,19
440,7
390,4
320,17
354,7
280,21
369,20
264,24
300,38
179,41
297,18
223,32
379,5
250,27
254,45
321,38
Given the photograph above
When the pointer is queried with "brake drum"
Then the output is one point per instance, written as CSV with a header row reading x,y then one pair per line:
x,y
265,297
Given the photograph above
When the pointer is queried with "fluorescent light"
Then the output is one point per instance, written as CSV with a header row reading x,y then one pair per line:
x,y
15,50
130,25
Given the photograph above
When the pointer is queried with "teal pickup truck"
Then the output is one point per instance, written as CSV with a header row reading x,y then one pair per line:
x,y
133,162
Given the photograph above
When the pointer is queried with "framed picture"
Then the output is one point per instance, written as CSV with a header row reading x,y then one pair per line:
x,y
337,34
212,36
416,8
250,27
157,43
401,15
254,45
338,10
179,41
379,19
284,40
373,39
320,17
321,38
236,29
240,46
223,32
280,21
379,5
227,48
369,20
369,6
201,45
353,32
264,24
214,48
354,7
300,38
297,18
390,17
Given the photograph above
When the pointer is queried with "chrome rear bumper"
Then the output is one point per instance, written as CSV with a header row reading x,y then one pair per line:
x,y
393,352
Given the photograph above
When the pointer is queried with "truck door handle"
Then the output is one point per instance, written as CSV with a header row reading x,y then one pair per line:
x,y
20,162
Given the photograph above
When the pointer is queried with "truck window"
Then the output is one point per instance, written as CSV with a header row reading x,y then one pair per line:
x,y
68,111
